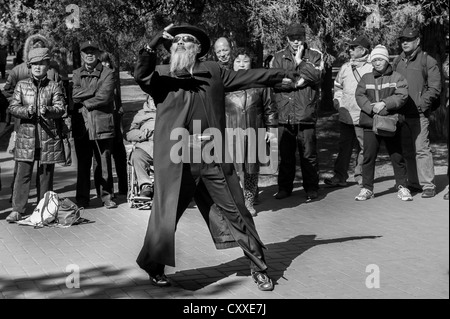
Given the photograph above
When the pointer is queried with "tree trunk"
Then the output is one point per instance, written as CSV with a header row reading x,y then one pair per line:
x,y
434,44
118,94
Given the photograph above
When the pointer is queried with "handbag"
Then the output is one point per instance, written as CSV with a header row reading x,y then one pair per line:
x,y
384,125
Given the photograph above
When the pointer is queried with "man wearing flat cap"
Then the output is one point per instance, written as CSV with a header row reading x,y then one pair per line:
x,y
93,125
351,132
297,114
39,103
189,95
424,86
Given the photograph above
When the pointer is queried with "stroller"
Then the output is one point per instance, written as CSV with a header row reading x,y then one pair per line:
x,y
133,198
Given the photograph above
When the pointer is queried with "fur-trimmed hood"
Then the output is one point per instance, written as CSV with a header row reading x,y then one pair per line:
x,y
29,44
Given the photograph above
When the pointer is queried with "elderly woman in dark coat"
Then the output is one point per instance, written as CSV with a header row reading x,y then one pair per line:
x,y
39,104
251,109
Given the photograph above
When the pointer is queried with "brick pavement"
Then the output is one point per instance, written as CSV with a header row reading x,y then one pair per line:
x,y
315,250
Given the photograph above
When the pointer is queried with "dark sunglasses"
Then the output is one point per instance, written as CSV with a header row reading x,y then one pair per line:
x,y
185,38
407,40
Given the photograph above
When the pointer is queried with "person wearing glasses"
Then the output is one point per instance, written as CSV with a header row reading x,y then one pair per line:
x,y
351,132
39,103
189,96
297,114
424,83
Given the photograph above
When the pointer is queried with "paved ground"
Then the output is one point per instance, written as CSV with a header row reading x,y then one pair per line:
x,y
334,247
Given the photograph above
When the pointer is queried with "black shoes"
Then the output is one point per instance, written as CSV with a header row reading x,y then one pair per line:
x,y
282,194
311,195
160,280
263,281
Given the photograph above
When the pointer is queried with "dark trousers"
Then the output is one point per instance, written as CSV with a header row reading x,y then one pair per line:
x,y
101,150
214,183
120,159
394,148
22,183
303,138
3,70
349,136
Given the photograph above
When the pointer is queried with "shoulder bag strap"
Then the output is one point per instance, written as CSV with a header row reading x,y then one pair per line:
x,y
356,73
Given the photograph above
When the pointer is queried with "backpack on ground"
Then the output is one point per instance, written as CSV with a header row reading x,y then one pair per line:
x,y
436,103
45,212
68,214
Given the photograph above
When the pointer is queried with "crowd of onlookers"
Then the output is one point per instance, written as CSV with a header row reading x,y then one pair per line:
x,y
369,90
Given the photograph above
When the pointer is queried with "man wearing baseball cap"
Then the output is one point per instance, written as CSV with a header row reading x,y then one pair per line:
x,y
297,114
424,86
39,103
345,103
93,125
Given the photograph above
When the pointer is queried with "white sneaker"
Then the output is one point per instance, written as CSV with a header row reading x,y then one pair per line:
x,y
404,194
364,194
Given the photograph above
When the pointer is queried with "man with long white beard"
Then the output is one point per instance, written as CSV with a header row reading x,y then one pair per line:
x,y
189,95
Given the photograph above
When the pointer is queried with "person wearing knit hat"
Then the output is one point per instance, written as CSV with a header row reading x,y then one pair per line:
x,y
39,103
379,52
382,92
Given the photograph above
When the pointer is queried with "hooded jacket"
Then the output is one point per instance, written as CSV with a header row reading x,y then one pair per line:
x,y
41,131
22,72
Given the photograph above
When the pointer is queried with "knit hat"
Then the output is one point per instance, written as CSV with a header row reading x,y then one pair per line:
x,y
379,52
38,54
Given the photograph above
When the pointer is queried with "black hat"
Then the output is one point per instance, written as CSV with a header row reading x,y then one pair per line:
x,y
89,44
409,33
360,41
296,29
201,36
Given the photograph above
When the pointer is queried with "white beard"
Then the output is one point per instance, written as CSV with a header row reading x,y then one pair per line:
x,y
182,59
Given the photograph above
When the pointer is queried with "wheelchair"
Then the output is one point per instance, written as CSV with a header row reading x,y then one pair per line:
x,y
134,199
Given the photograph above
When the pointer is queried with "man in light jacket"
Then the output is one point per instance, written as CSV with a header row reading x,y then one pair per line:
x,y
344,101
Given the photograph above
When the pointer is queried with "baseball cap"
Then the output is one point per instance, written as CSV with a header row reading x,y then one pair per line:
x,y
89,44
360,41
409,33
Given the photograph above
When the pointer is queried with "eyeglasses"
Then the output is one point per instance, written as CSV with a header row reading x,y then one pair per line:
x,y
407,40
353,48
185,38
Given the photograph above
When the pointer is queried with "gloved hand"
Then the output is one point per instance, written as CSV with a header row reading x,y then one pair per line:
x,y
378,106
42,109
31,111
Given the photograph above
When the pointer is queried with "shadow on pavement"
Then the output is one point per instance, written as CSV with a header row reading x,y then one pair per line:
x,y
93,282
279,256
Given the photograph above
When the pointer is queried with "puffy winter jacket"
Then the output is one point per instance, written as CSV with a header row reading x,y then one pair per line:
x,y
345,86
299,105
93,97
40,130
393,91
